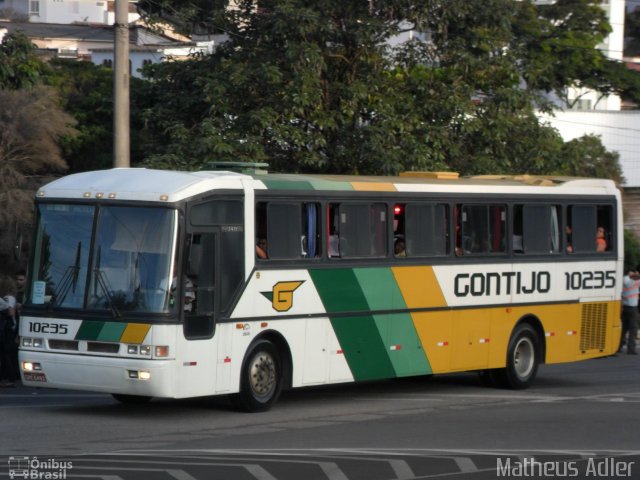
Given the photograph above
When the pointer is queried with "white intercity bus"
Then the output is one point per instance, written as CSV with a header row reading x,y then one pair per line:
x,y
147,283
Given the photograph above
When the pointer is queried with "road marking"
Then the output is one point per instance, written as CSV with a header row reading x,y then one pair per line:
x,y
180,475
331,470
259,472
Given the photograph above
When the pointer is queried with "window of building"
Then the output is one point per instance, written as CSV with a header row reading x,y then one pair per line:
x,y
34,7
357,230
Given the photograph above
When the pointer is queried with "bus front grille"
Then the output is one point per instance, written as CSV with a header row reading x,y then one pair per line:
x,y
102,347
63,345
594,326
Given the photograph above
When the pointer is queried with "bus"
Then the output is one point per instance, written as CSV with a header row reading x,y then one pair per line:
x,y
147,283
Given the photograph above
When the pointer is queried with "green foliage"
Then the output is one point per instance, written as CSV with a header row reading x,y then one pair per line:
x,y
631,251
19,65
86,92
587,157
313,86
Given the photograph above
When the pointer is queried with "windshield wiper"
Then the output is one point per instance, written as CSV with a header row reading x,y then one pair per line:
x,y
69,281
101,280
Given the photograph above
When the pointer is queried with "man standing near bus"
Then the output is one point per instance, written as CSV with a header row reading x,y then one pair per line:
x,y
630,292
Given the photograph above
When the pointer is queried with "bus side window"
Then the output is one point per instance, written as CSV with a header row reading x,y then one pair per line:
x,y
582,227
426,229
535,229
358,230
483,229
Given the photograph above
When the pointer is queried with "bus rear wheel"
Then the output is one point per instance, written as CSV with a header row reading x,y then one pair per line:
x,y
130,399
261,380
523,357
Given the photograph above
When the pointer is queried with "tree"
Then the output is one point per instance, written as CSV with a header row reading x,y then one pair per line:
x,y
631,251
587,157
19,65
314,86
86,92
31,122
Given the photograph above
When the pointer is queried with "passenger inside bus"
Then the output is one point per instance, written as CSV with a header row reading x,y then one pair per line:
x,y
261,248
189,290
569,233
601,242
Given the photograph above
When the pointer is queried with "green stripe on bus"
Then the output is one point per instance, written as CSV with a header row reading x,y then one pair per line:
x,y
89,330
402,344
330,185
362,347
380,288
339,290
111,332
359,336
398,333
286,184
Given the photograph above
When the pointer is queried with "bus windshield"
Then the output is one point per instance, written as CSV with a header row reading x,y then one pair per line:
x,y
114,258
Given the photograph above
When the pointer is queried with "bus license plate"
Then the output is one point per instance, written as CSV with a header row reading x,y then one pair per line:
x,y
35,377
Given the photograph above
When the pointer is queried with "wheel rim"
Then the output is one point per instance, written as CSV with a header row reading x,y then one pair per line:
x,y
524,357
262,375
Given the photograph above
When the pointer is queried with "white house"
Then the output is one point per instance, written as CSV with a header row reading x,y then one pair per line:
x,y
68,11
95,43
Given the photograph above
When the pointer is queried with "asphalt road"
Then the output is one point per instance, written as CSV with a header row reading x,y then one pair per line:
x,y
578,418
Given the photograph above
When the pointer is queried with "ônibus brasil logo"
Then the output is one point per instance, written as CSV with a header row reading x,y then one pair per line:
x,y
281,296
34,468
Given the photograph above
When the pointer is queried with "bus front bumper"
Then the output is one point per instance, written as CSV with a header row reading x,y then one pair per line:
x,y
153,378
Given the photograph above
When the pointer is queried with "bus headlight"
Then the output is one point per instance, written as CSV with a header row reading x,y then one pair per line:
x,y
31,366
32,342
139,374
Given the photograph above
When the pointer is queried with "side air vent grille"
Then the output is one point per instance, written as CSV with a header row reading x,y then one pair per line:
x,y
594,326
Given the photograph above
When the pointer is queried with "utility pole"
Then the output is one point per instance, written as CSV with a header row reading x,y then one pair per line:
x,y
121,149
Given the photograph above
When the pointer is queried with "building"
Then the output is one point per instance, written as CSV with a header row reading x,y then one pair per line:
x,y
95,43
67,11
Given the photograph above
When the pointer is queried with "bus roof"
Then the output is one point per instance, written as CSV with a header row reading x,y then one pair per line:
x,y
143,184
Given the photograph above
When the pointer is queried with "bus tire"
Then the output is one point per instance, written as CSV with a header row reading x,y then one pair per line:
x,y
523,357
261,380
130,399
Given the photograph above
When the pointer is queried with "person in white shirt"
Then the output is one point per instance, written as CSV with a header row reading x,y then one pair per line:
x,y
630,294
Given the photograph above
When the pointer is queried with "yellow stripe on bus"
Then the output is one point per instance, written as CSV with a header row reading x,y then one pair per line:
x,y
135,333
419,287
373,187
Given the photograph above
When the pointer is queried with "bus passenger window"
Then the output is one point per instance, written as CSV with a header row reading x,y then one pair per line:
x,y
482,229
357,230
426,228
287,230
582,226
535,229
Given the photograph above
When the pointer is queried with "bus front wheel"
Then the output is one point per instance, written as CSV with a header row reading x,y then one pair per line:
x,y
522,359
261,380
